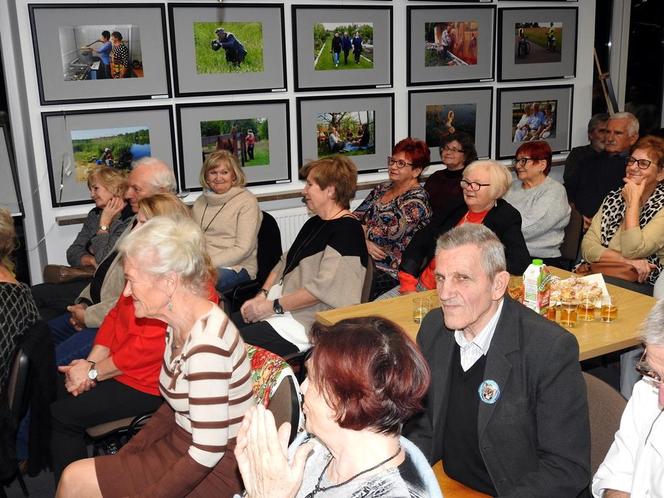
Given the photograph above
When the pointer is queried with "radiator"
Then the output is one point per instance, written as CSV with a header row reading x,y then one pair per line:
x,y
290,221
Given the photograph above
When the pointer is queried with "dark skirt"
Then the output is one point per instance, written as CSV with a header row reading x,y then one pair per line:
x,y
129,473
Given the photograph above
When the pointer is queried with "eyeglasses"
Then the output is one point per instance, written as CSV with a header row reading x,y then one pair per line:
x,y
474,186
641,163
400,163
644,368
522,161
447,148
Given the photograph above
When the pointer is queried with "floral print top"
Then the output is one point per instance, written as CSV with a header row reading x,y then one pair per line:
x,y
393,224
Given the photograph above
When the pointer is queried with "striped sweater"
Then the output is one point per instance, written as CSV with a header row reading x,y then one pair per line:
x,y
208,385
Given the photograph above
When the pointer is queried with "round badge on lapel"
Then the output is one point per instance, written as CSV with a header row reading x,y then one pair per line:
x,y
489,392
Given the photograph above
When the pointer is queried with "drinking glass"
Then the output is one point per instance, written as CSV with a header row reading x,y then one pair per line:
x,y
609,310
568,313
421,306
587,308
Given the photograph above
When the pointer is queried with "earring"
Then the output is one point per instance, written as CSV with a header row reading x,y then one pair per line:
x,y
169,305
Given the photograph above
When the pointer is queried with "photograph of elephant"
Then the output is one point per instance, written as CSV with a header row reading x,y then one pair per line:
x,y
450,43
113,147
247,139
349,133
228,47
97,52
538,42
445,119
534,120
343,46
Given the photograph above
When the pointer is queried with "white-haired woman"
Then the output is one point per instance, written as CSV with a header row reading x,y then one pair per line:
x,y
186,447
484,183
230,218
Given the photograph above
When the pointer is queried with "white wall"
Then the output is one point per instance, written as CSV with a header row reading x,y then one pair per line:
x,y
47,241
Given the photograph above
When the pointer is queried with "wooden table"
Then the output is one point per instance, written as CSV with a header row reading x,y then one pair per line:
x,y
452,488
595,338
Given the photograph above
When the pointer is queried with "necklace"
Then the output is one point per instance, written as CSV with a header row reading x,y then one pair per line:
x,y
211,220
320,489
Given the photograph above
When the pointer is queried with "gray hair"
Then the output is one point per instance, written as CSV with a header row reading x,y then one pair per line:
x,y
171,244
596,120
633,123
162,177
501,178
492,250
652,328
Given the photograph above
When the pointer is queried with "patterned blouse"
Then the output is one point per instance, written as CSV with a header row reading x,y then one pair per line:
x,y
18,313
392,225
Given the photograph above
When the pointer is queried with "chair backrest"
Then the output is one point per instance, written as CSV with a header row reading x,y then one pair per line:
x,y
367,287
269,247
17,386
275,386
569,249
605,408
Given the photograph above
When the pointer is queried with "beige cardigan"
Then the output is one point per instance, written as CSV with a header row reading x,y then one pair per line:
x,y
230,222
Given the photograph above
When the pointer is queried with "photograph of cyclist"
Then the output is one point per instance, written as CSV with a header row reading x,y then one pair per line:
x,y
538,42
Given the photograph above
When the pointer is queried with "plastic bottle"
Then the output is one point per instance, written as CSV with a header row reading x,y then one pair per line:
x,y
536,287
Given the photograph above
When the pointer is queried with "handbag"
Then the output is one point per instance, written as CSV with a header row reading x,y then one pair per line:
x,y
615,269
57,274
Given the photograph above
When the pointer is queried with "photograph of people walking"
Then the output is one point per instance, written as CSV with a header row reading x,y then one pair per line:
x,y
343,46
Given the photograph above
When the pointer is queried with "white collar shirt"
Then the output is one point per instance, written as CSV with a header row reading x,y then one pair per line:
x,y
471,351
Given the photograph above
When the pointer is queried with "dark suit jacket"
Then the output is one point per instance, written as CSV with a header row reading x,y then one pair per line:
x,y
504,220
535,440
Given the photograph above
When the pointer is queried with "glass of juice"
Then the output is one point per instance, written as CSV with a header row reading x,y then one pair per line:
x,y
421,306
568,313
609,310
586,308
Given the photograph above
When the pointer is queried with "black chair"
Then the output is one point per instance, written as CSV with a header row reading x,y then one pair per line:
x,y
569,249
109,437
268,254
17,401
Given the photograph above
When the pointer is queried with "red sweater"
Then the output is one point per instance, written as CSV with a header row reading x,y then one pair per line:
x,y
408,283
136,344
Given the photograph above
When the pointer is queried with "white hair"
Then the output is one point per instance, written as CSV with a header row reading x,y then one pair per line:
x,y
501,178
632,124
162,177
491,248
170,244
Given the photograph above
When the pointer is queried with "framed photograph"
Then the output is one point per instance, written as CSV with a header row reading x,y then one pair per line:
x,y
78,141
358,126
535,113
340,48
8,180
236,48
450,44
86,52
435,114
537,43
258,135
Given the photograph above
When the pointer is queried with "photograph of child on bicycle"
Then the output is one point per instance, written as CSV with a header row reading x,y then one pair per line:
x,y
538,42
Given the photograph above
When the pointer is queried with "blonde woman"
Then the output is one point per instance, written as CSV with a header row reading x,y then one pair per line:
x,y
229,217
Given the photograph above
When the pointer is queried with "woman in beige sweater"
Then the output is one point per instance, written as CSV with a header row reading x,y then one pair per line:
x,y
230,218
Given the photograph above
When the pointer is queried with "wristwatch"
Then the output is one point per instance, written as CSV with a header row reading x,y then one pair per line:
x,y
277,307
92,373
263,291
103,228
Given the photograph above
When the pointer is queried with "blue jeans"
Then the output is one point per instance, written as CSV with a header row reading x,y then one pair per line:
x,y
335,58
70,344
227,278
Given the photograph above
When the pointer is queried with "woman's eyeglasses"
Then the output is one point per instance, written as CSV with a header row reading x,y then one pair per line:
x,y
400,163
644,368
447,148
641,163
521,162
474,186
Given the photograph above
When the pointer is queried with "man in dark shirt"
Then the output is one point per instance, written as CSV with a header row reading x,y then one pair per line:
x,y
506,410
579,155
588,186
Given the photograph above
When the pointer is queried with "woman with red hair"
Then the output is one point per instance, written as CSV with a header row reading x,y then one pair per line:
x,y
395,210
541,201
365,379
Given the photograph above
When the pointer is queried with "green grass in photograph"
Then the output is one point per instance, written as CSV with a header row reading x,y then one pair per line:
x,y
208,61
261,154
325,60
538,36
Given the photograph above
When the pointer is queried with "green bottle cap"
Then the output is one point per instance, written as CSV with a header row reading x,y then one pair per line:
x,y
538,262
